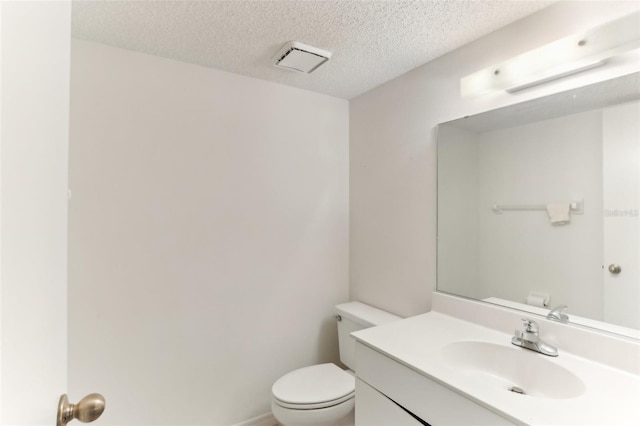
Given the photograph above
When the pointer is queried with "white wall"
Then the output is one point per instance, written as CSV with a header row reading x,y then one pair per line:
x,y
208,236
34,135
393,157
483,254
557,160
457,211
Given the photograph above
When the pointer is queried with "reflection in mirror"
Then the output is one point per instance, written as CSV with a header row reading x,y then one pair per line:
x,y
538,205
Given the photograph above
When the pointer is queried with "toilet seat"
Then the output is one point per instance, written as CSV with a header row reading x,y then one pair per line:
x,y
315,406
314,387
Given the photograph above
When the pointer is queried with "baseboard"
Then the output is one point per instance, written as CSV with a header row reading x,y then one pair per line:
x,y
263,420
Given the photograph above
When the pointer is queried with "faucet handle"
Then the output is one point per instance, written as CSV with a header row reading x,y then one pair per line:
x,y
530,326
557,314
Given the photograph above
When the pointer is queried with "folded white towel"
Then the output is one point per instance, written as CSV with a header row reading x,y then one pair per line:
x,y
559,213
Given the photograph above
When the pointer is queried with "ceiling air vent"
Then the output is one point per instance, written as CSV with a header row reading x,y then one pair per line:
x,y
300,57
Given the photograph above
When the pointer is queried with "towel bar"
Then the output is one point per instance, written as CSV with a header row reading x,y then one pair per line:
x,y
577,207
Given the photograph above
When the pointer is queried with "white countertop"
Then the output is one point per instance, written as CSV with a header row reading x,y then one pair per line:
x,y
612,396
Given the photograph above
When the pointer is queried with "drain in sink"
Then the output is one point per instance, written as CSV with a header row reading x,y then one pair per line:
x,y
516,389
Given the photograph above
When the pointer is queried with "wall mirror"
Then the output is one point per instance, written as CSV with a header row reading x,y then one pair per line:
x,y
538,205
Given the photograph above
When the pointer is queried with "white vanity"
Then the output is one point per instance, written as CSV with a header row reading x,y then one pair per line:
x,y
456,366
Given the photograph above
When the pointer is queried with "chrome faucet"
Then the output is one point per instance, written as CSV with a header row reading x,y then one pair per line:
x,y
530,339
556,314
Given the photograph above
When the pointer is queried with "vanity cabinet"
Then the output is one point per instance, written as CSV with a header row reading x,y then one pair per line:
x,y
390,394
374,408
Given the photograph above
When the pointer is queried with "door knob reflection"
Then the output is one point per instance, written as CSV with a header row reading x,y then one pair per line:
x,y
615,269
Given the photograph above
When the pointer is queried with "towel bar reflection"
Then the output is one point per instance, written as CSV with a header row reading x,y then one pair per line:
x,y
577,207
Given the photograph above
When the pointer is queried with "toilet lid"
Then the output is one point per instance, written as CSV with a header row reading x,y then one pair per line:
x,y
315,384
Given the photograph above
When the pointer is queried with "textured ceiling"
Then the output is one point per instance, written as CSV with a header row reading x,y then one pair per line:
x,y
372,41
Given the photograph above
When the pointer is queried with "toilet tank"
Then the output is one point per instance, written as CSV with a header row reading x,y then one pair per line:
x,y
354,316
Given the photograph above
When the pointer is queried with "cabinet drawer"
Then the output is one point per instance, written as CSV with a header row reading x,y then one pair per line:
x,y
375,409
430,401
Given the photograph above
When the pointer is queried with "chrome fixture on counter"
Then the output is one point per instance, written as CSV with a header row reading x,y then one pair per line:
x,y
557,314
530,339
87,410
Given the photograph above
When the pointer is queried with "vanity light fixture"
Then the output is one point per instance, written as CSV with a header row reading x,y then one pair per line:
x,y
561,58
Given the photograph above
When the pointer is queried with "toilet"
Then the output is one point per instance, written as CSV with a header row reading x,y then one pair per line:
x,y
324,394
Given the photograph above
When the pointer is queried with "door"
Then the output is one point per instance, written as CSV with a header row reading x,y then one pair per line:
x,y
621,200
34,116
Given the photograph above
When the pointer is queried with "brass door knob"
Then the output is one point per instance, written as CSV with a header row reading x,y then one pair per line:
x,y
615,269
87,410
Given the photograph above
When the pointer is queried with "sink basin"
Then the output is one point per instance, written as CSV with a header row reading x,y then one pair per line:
x,y
514,369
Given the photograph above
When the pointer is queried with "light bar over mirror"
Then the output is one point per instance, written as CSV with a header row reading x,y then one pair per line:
x,y
564,57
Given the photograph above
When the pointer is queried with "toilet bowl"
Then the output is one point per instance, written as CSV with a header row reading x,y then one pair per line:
x,y
319,395
324,394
